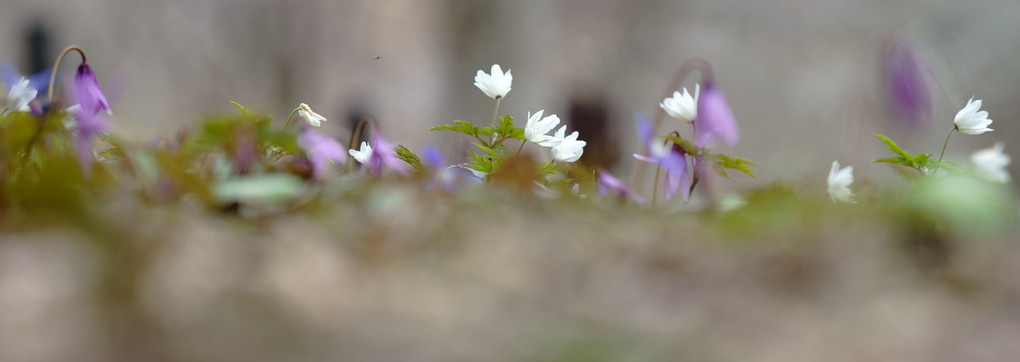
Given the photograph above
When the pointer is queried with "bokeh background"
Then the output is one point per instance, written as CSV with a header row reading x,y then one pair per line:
x,y
805,78
393,274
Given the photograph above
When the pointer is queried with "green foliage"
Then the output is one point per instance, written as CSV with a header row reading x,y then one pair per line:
x,y
458,126
241,108
412,159
722,162
920,162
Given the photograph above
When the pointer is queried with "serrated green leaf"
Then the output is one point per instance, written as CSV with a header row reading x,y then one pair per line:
x,y
412,159
506,125
241,108
688,146
459,126
517,134
735,163
892,146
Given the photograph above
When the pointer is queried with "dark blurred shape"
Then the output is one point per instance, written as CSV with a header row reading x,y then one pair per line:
x,y
37,44
909,92
590,117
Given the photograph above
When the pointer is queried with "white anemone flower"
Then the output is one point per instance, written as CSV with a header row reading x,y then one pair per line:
x,y
839,183
682,106
310,117
537,129
362,155
495,85
567,149
971,121
990,163
20,94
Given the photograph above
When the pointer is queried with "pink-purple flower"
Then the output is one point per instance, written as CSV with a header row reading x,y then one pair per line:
x,y
715,119
88,122
379,153
607,185
320,150
910,91
673,160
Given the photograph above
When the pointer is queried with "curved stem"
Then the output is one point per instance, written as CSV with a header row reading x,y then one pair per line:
x,y
685,69
521,148
359,128
943,153
290,117
56,65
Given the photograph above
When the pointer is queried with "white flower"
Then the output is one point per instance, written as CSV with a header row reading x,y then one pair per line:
x,y
496,85
567,149
20,95
312,118
990,163
536,131
839,183
682,106
970,121
363,155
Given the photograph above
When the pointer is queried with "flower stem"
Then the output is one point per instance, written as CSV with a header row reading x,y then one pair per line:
x,y
56,65
521,148
290,117
655,185
495,117
943,153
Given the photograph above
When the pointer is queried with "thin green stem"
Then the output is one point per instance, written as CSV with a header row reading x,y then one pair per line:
x,y
290,117
943,153
495,119
521,148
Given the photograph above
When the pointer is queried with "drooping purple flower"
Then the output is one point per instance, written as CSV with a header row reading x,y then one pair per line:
x,y
88,122
715,119
607,185
384,154
911,96
87,91
320,150
448,177
673,160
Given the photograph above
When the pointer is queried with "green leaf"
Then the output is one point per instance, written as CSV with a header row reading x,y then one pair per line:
x,y
736,163
459,126
688,146
517,134
407,156
548,168
241,108
892,146
506,126
896,160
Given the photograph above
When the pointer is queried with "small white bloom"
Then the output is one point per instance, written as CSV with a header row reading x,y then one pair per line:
x,y
567,149
537,129
496,85
20,95
839,183
362,155
312,118
971,121
682,106
990,163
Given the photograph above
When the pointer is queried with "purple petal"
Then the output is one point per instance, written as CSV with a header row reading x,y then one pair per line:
x,y
320,149
910,92
715,118
87,92
433,158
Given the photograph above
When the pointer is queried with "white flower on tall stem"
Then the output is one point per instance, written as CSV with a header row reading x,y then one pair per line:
x,y
362,155
682,106
970,120
537,129
495,85
839,183
990,163
566,149
310,117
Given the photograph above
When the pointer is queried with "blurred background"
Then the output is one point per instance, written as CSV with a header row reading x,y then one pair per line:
x,y
806,79
375,277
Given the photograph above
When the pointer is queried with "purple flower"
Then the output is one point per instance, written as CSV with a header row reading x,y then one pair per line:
x,y
607,184
89,122
320,149
446,176
910,92
671,159
384,154
87,91
715,118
